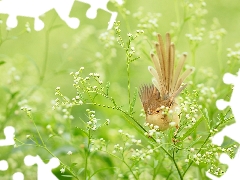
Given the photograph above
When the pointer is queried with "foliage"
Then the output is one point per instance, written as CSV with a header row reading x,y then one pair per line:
x,y
95,125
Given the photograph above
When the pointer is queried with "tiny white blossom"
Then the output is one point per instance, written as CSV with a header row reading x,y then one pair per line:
x,y
62,170
120,131
170,111
172,124
129,34
69,153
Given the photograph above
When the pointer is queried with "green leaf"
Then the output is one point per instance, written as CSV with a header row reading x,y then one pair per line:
x,y
73,164
14,94
70,176
134,59
155,163
107,87
191,129
80,171
207,117
55,27
134,100
2,62
196,141
99,170
78,130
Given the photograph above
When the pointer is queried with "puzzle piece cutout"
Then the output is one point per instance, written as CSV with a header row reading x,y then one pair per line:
x,y
44,170
100,4
3,165
8,141
9,134
231,131
36,8
233,167
18,176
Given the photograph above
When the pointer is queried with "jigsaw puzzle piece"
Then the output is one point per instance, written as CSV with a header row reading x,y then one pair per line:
x,y
36,8
3,165
100,4
26,8
63,8
44,170
233,167
231,131
9,134
18,176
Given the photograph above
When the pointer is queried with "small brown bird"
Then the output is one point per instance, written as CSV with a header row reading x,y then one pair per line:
x,y
158,100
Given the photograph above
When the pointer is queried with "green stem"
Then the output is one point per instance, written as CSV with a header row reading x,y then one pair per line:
x,y
120,9
190,164
129,87
128,74
31,118
87,153
193,53
182,23
45,148
44,66
219,51
124,162
178,170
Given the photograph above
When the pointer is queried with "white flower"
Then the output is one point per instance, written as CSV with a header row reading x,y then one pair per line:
x,y
172,124
120,131
129,34
62,170
107,121
69,153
